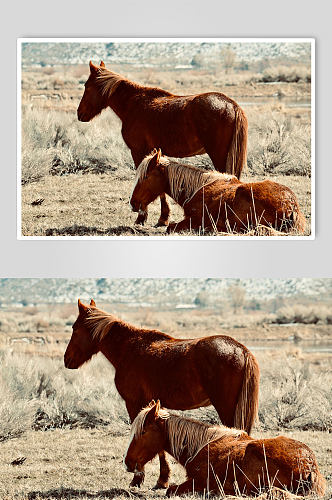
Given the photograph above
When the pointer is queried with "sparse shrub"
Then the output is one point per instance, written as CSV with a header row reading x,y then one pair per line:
x,y
289,74
56,143
277,146
42,394
294,398
309,315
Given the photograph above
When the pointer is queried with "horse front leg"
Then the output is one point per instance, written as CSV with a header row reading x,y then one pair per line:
x,y
182,489
165,471
142,216
165,211
176,227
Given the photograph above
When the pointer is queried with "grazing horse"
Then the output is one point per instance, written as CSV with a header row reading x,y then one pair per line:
x,y
184,374
182,126
219,459
213,201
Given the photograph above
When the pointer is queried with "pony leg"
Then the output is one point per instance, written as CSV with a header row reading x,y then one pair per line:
x,y
165,471
164,215
142,216
182,489
138,479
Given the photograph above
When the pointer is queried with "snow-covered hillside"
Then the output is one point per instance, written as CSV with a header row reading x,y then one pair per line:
x,y
153,291
171,54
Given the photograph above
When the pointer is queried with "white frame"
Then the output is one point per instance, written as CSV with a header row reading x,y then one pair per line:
x,y
20,41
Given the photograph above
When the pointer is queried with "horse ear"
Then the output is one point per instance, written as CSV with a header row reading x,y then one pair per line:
x,y
153,412
154,159
81,307
93,68
102,64
92,303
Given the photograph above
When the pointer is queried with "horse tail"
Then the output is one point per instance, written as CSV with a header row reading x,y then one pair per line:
x,y
299,221
246,410
237,153
315,483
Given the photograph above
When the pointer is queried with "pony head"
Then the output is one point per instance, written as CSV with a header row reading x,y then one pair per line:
x,y
93,100
150,181
82,345
147,438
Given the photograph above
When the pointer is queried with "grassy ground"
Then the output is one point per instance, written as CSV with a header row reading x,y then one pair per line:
x,y
82,173
93,205
72,464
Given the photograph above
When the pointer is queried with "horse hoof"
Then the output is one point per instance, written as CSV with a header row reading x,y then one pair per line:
x,y
171,490
160,486
170,228
161,223
136,482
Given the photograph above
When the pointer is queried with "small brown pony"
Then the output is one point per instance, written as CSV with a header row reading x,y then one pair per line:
x,y
219,459
183,374
182,126
213,201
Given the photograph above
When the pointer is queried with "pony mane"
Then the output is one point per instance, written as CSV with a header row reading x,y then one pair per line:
x,y
100,323
108,81
184,433
183,178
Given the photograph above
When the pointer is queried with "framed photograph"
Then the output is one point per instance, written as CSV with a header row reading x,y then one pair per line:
x,y
99,377
166,138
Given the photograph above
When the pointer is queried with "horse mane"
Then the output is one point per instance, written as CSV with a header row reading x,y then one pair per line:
x,y
185,433
108,81
183,178
100,323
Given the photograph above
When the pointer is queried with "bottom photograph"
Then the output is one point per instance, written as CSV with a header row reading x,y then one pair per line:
x,y
146,388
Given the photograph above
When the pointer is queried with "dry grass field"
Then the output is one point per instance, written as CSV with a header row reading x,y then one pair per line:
x,y
70,428
77,177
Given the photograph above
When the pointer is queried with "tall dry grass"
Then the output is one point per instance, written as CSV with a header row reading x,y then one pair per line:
x,y
39,393
55,143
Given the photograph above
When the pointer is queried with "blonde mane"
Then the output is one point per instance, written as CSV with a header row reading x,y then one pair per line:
x,y
100,323
184,433
183,178
108,81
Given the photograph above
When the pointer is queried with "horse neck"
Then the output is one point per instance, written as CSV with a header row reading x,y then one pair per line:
x,y
123,338
116,342
119,100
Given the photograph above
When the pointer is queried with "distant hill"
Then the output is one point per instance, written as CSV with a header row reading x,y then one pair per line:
x,y
171,54
153,292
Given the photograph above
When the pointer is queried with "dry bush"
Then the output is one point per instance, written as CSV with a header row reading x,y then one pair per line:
x,y
304,314
291,74
40,393
293,397
56,143
43,394
278,145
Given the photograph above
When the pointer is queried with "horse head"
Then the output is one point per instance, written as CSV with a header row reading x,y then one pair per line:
x,y
150,181
82,345
93,100
147,439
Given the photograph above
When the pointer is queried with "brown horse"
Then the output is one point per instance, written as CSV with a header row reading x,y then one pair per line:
x,y
213,201
220,459
182,126
184,374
